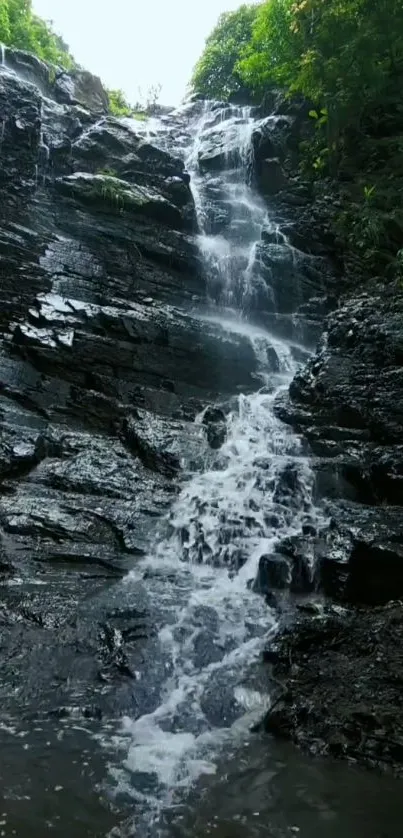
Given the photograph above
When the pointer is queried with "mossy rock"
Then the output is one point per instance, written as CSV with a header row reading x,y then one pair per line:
x,y
106,193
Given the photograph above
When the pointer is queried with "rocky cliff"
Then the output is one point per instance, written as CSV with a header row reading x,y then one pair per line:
x,y
105,364
341,668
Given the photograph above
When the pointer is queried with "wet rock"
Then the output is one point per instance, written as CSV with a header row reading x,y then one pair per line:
x,y
363,337
113,144
290,275
111,194
79,87
362,559
28,68
263,145
340,679
215,423
146,436
273,572
272,178
102,375
348,400
20,450
273,135
339,696
301,553
20,107
220,148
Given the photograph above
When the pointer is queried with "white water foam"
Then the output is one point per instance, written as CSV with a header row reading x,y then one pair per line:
x,y
230,256
212,624
199,576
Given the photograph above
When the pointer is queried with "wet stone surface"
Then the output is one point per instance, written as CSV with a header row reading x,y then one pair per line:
x,y
126,406
100,382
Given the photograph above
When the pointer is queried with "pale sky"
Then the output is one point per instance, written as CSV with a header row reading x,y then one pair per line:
x,y
137,43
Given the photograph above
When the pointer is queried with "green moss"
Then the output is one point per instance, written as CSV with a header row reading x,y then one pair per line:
x,y
106,192
107,172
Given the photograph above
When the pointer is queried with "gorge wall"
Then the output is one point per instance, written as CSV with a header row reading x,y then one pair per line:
x,y
108,353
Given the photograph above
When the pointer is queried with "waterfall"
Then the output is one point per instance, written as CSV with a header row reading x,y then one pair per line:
x,y
230,214
199,575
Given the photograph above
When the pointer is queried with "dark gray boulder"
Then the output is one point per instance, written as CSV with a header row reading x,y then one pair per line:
x,y
348,401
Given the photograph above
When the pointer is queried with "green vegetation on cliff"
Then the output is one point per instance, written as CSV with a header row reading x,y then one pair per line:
x,y
217,74
22,29
345,57
118,104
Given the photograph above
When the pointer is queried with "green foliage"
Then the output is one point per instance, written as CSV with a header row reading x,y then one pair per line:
x,y
339,54
21,28
107,189
215,74
107,172
118,104
320,118
147,104
361,229
272,54
369,193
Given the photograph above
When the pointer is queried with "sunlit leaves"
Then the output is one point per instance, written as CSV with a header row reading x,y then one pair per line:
x,y
340,54
21,28
216,74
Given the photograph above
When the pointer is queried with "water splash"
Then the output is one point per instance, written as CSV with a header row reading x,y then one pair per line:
x,y
212,626
198,578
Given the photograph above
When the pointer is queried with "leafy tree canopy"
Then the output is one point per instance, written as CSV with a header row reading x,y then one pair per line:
x,y
341,54
22,29
216,74
346,58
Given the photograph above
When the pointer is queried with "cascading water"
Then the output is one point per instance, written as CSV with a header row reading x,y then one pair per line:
x,y
199,575
231,215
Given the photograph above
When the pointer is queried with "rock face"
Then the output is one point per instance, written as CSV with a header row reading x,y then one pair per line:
x,y
104,366
341,670
101,374
289,278
78,87
348,400
311,273
272,177
340,681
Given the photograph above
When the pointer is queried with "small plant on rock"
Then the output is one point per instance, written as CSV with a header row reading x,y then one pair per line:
x,y
369,193
112,192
